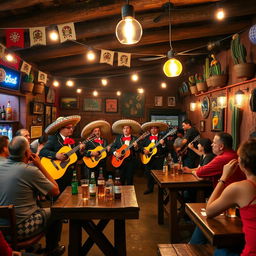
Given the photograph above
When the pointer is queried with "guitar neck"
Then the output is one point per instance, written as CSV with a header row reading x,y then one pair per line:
x,y
186,145
105,149
171,132
138,139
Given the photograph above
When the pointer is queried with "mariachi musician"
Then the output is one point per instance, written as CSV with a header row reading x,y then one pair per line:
x,y
60,131
97,149
156,161
125,139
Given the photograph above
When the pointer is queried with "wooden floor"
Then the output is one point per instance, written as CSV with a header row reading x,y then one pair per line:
x,y
142,235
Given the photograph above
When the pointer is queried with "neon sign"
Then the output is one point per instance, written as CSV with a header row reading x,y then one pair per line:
x,y
9,78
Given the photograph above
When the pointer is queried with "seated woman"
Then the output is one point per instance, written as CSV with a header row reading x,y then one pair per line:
x,y
204,151
241,194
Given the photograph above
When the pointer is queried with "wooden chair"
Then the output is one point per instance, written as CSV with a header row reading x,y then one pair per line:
x,y
184,250
9,229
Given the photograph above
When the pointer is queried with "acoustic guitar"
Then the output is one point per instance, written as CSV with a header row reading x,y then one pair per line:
x,y
125,151
57,168
183,151
92,161
152,148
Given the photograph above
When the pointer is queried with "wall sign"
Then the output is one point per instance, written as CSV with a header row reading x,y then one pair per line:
x,y
9,78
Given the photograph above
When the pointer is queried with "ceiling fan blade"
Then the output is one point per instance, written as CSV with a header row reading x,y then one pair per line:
x,y
152,58
192,54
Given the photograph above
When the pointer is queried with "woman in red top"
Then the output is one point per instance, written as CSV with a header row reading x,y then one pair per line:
x,y
241,194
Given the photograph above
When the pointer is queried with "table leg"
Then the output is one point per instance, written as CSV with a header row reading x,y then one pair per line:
x,y
173,216
75,237
160,206
120,238
200,196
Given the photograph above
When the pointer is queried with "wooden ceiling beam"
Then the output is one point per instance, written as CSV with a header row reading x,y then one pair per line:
x,y
151,37
84,11
17,4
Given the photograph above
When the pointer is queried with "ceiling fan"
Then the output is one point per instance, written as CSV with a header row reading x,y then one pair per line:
x,y
167,8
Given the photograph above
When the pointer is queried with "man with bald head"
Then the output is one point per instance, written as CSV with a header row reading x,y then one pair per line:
x,y
19,185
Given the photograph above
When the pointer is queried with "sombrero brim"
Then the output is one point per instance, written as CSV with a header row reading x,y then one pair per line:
x,y
104,126
117,126
162,126
61,122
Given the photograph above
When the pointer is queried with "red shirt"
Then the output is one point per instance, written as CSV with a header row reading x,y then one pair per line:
x,y
213,169
5,249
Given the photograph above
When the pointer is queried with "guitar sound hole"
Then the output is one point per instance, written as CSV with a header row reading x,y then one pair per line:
x,y
122,152
150,150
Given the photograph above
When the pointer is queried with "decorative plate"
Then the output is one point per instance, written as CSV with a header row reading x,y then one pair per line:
x,y
205,107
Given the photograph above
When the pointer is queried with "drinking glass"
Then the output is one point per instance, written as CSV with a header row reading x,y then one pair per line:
x,y
231,212
85,188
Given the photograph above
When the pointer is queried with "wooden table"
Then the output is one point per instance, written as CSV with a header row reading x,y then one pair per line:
x,y
221,231
81,214
175,184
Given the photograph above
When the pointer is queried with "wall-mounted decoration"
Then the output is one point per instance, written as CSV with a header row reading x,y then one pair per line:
x,y
36,131
50,95
92,104
37,108
205,106
9,78
54,114
68,103
202,126
171,102
133,105
217,122
158,101
47,117
111,105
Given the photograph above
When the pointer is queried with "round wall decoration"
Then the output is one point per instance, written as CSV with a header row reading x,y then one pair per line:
x,y
205,106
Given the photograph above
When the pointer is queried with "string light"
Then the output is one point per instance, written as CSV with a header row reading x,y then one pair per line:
x,y
118,93
9,57
140,90
56,83
220,14
78,90
54,36
135,77
163,85
90,55
95,93
70,83
104,82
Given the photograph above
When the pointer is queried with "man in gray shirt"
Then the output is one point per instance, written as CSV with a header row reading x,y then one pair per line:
x,y
19,185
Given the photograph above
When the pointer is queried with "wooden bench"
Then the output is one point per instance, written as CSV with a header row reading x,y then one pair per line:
x,y
184,250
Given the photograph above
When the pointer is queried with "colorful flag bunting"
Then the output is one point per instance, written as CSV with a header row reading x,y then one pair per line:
x,y
25,67
2,50
107,56
67,32
124,59
42,77
37,36
14,37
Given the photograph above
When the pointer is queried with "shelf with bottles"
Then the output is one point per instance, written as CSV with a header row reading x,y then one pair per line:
x,y
6,130
9,108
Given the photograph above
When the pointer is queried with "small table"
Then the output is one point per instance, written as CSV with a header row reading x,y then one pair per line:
x,y
81,214
221,231
175,183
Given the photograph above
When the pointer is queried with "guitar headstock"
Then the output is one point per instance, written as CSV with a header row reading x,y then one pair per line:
x,y
171,132
145,134
91,137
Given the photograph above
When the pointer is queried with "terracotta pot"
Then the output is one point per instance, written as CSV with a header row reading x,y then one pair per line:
x,y
201,87
193,89
27,87
218,81
38,88
244,70
209,82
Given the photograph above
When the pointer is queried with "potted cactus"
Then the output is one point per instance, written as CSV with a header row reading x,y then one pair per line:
x,y
200,83
238,52
217,77
28,85
192,84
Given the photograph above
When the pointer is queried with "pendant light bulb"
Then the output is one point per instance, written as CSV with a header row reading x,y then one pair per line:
x,y
128,30
172,67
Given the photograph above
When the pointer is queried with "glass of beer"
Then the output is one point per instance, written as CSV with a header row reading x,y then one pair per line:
x,y
85,188
176,167
231,212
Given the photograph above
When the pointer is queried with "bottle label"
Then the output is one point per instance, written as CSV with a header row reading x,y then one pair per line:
x,y
101,182
74,186
117,189
92,188
108,190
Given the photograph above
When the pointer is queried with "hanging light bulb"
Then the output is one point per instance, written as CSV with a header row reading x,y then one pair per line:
x,y
128,30
104,82
78,90
140,90
135,77
9,57
70,83
163,85
118,93
90,55
55,83
220,14
95,93
54,36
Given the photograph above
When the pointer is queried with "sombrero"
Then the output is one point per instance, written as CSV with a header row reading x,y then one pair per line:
x,y
162,126
61,122
117,126
104,126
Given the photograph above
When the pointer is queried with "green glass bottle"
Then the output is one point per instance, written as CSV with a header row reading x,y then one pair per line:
x,y
92,185
74,184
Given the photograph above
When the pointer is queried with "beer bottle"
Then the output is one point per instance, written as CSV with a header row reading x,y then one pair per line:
x,y
8,111
74,184
3,114
101,184
109,188
92,185
117,188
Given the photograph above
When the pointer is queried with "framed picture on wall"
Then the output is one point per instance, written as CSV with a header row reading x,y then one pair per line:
x,y
158,101
36,131
68,103
54,114
202,126
37,108
217,120
171,102
48,115
92,104
111,105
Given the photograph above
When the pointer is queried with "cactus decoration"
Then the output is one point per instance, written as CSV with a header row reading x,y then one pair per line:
x,y
207,69
191,80
199,78
29,78
238,51
215,68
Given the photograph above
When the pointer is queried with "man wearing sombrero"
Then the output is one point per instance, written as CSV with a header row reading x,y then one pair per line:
x,y
100,129
157,160
60,131
125,128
